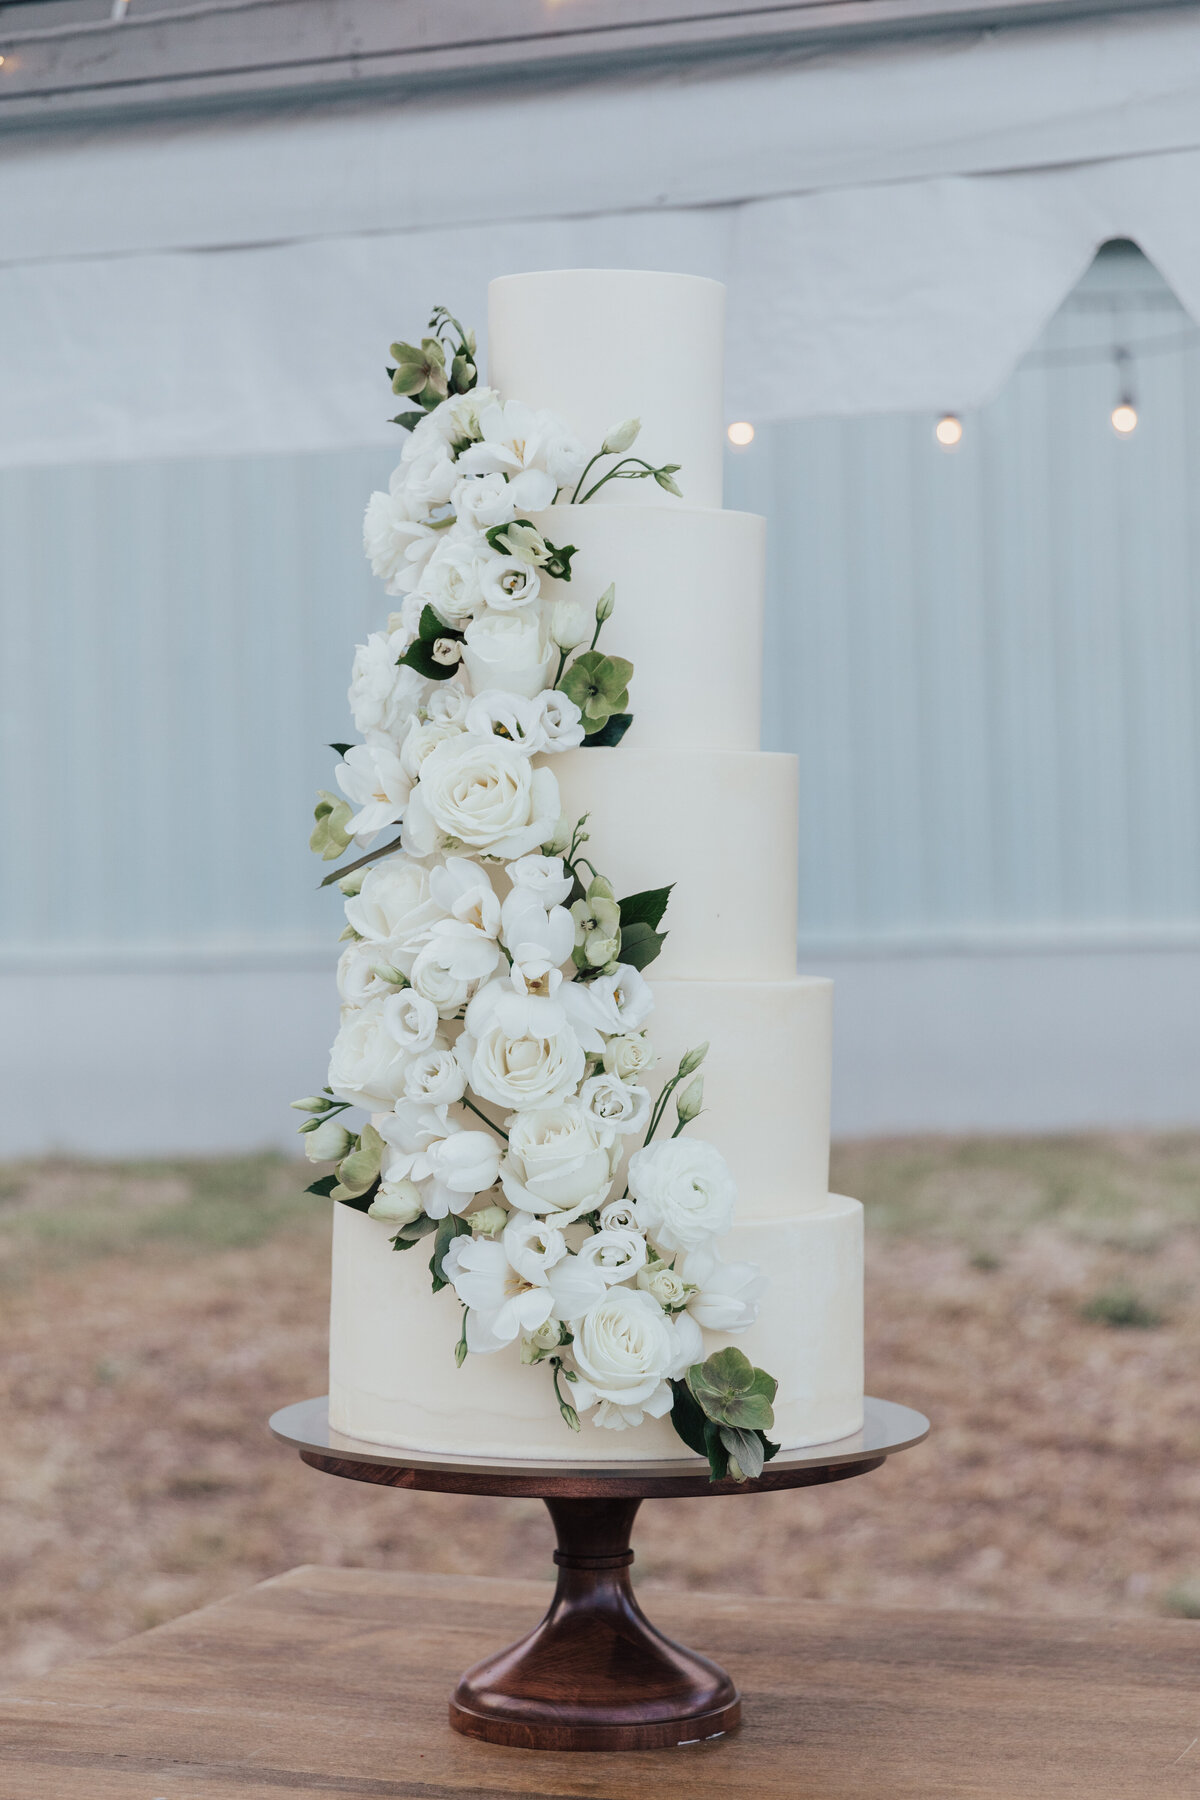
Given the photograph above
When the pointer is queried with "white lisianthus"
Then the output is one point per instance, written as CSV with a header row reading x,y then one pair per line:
x,y
614,1104
393,911
630,1055
507,584
383,695
425,1146
358,976
660,1280
496,713
615,1254
533,1246
396,540
373,779
501,1304
543,876
570,626
619,1215
447,704
509,651
328,1143
450,580
519,1050
558,723
726,1296
627,1351
483,793
627,997
366,1064
420,739
434,1077
398,1202
555,1163
481,501
411,1020
452,964
685,1194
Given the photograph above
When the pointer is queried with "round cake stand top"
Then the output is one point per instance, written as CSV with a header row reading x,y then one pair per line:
x,y
887,1428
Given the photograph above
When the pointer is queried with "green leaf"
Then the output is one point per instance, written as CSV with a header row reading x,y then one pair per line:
x,y
640,944
340,748
610,734
745,1453
419,656
447,1230
405,420
413,1232
324,1186
646,908
431,627
356,1202
714,1449
769,1449
360,1170
687,1418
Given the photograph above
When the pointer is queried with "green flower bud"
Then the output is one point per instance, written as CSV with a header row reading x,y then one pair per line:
x,y
600,951
399,1202
541,1342
487,1221
352,884
621,438
328,1143
690,1061
560,842
668,481
526,544
606,602
314,1103
601,889
691,1101
330,834
360,1168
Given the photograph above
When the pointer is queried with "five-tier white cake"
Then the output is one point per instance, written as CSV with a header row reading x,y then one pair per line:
x,y
686,797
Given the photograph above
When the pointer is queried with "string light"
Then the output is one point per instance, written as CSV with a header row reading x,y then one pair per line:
x,y
741,433
948,431
1123,416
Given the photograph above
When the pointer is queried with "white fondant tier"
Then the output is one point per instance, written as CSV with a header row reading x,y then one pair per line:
x,y
722,825
598,346
689,613
393,1380
766,1081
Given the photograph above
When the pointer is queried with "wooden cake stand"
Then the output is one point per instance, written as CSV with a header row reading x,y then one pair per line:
x,y
595,1674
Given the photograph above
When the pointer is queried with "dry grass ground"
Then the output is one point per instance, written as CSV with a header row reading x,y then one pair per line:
x,y
1039,1299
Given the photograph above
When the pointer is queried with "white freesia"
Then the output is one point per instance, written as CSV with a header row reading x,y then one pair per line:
x,y
508,584
555,1163
420,739
366,1064
519,1050
685,1194
393,911
481,501
533,1246
614,1104
627,1351
449,968
434,1077
630,1055
384,695
558,722
534,449
497,713
501,1304
539,942
450,580
543,876
373,779
411,1019
509,651
485,794
397,541
464,890
727,1295
426,1146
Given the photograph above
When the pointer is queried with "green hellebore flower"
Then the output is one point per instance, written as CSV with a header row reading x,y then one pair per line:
x,y
599,686
596,918
330,835
731,1391
361,1167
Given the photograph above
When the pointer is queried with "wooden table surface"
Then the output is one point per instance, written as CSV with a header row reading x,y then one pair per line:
x,y
333,1682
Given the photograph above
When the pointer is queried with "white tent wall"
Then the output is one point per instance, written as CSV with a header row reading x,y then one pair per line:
x,y
997,724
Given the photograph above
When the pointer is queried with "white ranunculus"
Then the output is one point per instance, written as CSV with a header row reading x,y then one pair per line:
x,y
508,584
429,473
559,722
447,704
450,581
685,1194
727,1295
485,794
373,779
328,1143
396,540
411,1019
420,739
615,1254
497,713
630,1055
660,1279
509,651
614,1104
627,1351
383,695
501,1304
519,1050
434,1077
397,1202
543,876
366,1064
533,1246
424,1145
393,911
481,501
358,976
452,964
555,1163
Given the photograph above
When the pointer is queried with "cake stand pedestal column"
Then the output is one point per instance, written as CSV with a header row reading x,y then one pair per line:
x,y
595,1674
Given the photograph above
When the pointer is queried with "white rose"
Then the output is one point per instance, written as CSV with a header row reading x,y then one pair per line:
x,y
627,1350
614,1105
685,1194
447,705
519,1050
660,1280
558,722
420,739
501,1304
366,1064
393,910
509,651
482,501
411,1020
507,584
452,964
384,695
434,1078
485,794
630,1055
555,1163
543,876
373,778
395,540
450,581
727,1295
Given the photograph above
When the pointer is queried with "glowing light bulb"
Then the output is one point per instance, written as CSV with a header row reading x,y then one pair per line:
x,y
741,433
948,432
1124,418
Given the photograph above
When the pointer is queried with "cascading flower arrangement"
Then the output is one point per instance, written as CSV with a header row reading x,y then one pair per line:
x,y
493,1001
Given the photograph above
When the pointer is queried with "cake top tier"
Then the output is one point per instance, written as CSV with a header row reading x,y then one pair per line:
x,y
597,346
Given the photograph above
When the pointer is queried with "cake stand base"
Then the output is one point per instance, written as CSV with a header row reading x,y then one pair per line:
x,y
595,1674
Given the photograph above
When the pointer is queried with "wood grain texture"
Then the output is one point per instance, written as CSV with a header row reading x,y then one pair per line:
x,y
332,1682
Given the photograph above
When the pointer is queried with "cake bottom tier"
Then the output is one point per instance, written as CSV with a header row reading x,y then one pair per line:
x,y
393,1379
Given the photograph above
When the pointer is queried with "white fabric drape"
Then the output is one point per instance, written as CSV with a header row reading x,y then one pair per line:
x,y
894,229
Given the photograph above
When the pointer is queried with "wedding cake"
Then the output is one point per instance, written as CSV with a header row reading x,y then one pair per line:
x,y
593,1191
